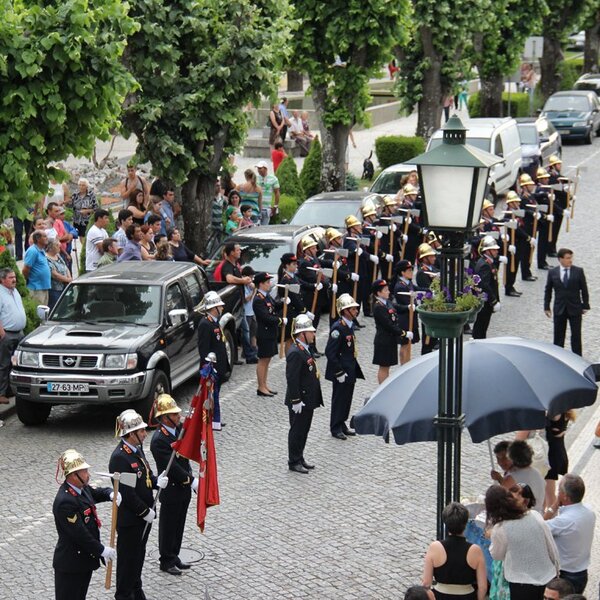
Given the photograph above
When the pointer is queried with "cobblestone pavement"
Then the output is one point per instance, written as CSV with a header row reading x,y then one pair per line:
x,y
357,527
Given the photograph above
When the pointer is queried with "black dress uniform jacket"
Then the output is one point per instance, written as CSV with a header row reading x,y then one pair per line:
x,y
344,272
302,377
402,303
340,352
388,334
78,549
212,339
488,272
308,282
266,310
296,306
180,473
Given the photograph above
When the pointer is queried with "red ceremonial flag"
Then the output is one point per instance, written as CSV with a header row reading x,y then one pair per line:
x,y
198,443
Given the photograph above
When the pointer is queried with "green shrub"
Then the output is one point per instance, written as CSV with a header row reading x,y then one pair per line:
x,y
7,261
474,106
393,149
570,71
310,177
519,105
287,207
112,227
351,183
289,182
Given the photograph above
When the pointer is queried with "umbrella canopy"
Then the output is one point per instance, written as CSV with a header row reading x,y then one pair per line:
x,y
509,384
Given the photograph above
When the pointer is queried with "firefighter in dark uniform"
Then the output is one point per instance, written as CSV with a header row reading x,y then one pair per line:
x,y
542,195
211,338
268,321
404,292
78,551
175,498
426,272
529,205
311,282
136,510
487,269
520,249
342,366
487,223
303,394
388,333
345,276
388,211
560,200
365,258
414,232
376,247
287,275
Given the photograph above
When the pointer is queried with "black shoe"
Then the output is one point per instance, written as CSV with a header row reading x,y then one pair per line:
x,y
553,254
273,393
306,465
513,293
317,354
183,566
349,432
530,278
298,468
259,393
238,362
251,361
339,436
544,268
173,570
357,325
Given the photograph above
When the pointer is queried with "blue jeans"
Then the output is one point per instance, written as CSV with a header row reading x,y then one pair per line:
x,y
249,350
577,580
265,216
217,404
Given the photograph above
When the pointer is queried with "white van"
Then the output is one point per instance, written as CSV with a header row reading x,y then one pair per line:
x,y
500,137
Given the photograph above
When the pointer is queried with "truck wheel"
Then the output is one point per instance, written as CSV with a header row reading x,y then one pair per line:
x,y
160,385
231,348
588,137
32,413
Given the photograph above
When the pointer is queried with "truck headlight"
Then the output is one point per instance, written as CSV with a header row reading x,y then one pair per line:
x,y
28,359
580,124
120,361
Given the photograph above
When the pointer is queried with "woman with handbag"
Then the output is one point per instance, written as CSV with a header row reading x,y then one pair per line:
x,y
558,459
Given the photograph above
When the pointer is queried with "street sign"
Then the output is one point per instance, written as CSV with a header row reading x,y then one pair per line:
x,y
534,48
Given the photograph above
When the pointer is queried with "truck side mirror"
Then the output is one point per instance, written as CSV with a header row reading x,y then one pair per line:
x,y
178,316
42,312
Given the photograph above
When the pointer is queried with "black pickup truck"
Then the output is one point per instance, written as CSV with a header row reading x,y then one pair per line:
x,y
121,334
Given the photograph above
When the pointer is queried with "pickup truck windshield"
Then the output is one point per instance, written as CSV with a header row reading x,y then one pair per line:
x,y
109,303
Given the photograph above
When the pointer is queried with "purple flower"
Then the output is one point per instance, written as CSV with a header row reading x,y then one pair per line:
x,y
428,294
470,271
484,297
476,279
466,289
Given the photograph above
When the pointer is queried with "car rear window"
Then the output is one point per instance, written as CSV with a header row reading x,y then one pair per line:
x,y
261,256
567,103
528,134
325,213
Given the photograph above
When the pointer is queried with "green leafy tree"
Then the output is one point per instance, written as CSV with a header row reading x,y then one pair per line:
x,y
310,176
62,87
199,64
340,44
498,44
591,52
289,182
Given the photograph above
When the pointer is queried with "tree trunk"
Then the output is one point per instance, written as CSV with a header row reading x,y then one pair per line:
x,y
334,141
431,104
490,96
549,63
591,51
295,81
197,195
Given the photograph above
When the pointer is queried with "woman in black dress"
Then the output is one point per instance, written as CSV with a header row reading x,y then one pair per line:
x,y
403,297
556,427
388,332
266,311
287,275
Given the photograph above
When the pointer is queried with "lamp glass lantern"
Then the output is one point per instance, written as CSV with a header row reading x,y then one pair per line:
x,y
454,179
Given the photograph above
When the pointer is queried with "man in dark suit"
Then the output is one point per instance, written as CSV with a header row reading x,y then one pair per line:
x,y
303,392
571,299
175,498
78,551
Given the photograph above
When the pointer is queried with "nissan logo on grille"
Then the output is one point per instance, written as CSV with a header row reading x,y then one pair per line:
x,y
69,361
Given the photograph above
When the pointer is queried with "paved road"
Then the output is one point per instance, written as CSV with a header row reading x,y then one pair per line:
x,y
355,528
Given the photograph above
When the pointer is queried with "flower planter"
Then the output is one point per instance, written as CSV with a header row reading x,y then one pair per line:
x,y
474,312
443,324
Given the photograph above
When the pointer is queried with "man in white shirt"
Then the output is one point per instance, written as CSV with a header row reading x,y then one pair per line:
x,y
297,133
93,240
125,219
573,531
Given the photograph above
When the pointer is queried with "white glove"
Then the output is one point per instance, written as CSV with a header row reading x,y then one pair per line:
x,y
394,228
538,215
195,485
409,219
567,213
504,237
297,407
310,315
512,249
425,231
354,276
497,307
109,553
360,251
284,321
374,259
550,218
404,238
533,242
334,288
288,300
150,516
410,335
162,481
341,378
337,264
379,235
503,260
319,286
389,258
119,498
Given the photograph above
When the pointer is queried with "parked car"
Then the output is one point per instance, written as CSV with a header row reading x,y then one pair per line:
x,y
118,335
500,137
576,40
389,181
589,81
329,209
575,114
539,141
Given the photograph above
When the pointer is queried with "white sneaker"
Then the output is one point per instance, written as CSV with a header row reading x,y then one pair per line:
x,y
217,426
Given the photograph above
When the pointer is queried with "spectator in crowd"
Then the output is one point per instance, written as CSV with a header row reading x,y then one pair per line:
x,y
154,212
57,193
418,592
234,198
250,193
36,269
269,184
133,249
247,221
22,229
84,203
158,187
147,244
234,219
283,109
63,237
297,133
180,252
504,462
155,221
168,208
448,103
124,220
455,564
520,538
137,206
43,224
277,155
93,243
133,181
277,126
163,250
306,126
573,531
216,213
248,324
60,276
520,454
557,589
12,322
110,252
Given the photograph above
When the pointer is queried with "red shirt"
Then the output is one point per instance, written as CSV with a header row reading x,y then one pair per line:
x,y
59,227
277,156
